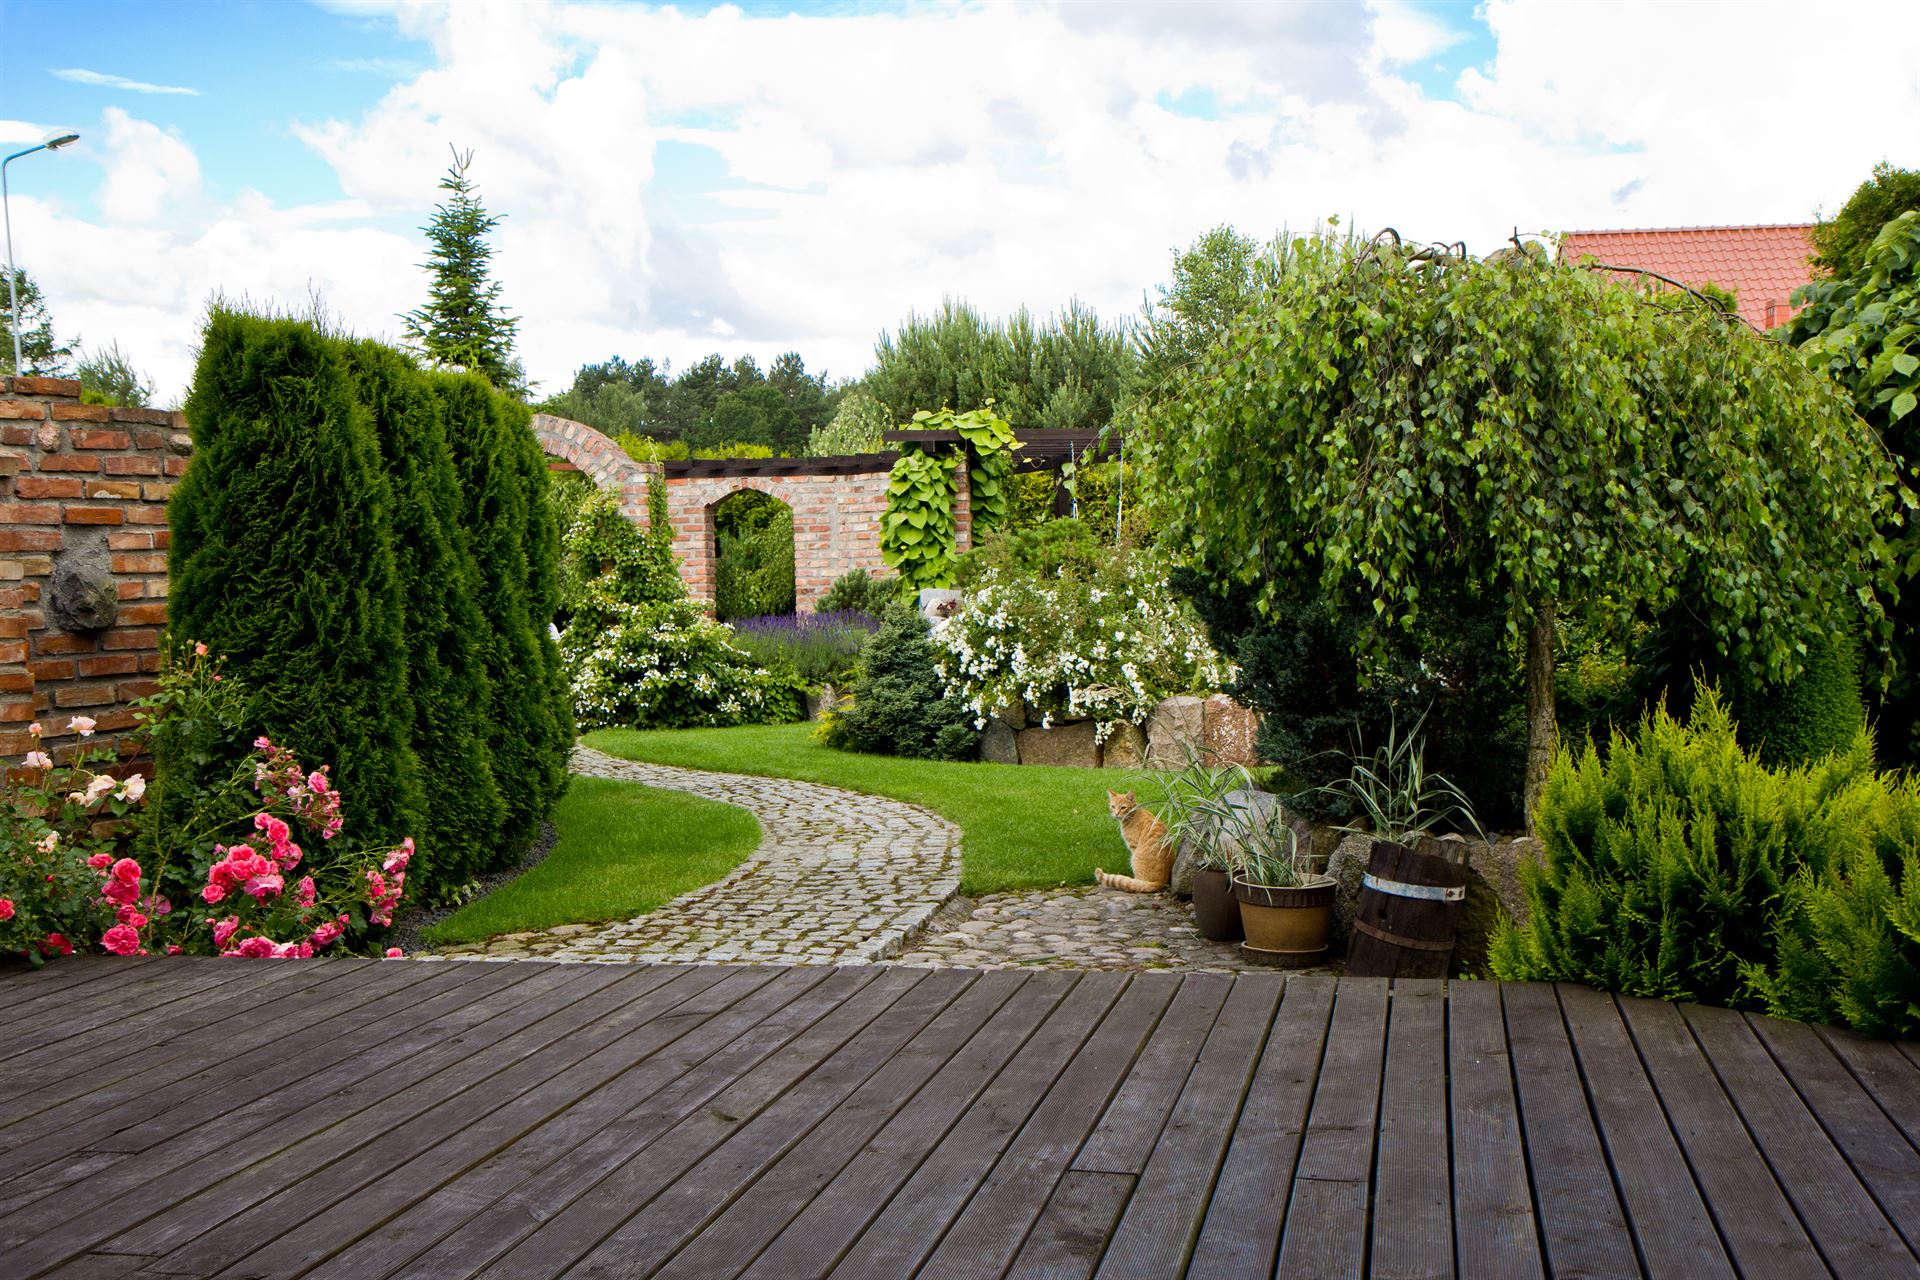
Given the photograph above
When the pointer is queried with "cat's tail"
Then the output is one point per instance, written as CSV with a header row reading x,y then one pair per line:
x,y
1127,883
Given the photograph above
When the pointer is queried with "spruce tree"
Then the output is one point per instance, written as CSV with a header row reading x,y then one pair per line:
x,y
523,726
444,627
282,560
463,325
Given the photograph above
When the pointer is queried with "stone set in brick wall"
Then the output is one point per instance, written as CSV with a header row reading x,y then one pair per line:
x,y
1217,729
83,558
836,517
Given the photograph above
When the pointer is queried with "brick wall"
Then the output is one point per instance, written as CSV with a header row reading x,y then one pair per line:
x,y
83,495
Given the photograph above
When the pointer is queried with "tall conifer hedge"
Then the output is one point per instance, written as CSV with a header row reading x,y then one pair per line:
x,y
282,560
371,547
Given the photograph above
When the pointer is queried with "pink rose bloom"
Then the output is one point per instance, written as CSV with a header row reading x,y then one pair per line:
x,y
173,948
263,887
82,725
223,930
395,953
256,949
6,908
120,892
199,649
38,760
304,951
317,782
213,893
132,789
132,916
56,944
100,861
306,891
122,940
262,743
158,906
327,934
127,871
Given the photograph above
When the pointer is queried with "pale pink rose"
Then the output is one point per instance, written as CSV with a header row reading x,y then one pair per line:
x,y
262,743
38,760
132,789
6,908
82,725
121,940
48,841
199,649
35,729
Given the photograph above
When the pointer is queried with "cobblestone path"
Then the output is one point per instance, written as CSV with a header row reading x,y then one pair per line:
x,y
839,876
1079,928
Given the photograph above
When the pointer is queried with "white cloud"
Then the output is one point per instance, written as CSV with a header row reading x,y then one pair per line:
x,y
876,162
80,75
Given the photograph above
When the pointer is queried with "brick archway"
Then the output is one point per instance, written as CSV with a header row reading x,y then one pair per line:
x,y
836,503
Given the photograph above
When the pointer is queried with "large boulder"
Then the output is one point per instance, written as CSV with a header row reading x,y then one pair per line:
x,y
1125,748
1499,862
83,595
1176,725
999,744
1228,730
1072,744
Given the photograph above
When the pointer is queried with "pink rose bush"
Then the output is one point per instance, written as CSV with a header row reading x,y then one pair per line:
x,y
85,862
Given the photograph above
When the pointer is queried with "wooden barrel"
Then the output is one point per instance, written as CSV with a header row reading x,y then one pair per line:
x,y
1409,911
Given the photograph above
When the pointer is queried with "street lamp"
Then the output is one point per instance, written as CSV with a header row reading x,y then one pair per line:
x,y
6,212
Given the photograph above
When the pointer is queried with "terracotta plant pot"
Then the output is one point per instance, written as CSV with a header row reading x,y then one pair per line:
x,y
1286,927
1216,912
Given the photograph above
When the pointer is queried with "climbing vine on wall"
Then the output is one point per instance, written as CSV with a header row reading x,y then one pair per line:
x,y
916,531
988,441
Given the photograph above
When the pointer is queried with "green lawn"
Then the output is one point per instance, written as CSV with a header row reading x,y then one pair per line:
x,y
624,849
1026,827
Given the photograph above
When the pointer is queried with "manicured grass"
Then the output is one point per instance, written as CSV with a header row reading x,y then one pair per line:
x,y
1027,826
624,849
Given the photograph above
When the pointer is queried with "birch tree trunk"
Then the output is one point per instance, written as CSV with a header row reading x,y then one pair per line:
x,y
1543,732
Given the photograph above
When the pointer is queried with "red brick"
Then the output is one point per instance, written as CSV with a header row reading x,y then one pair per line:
x,y
83,695
48,487
156,490
128,690
146,639
16,681
17,627
81,413
163,538
113,489
18,709
27,539
96,438
140,614
176,466
12,464
95,515
17,744
51,668
13,651
156,588
24,513
70,462
149,417
22,410
112,664
130,590
47,386
129,540
10,434
14,597
148,441
65,644
131,563
109,721
152,513
131,465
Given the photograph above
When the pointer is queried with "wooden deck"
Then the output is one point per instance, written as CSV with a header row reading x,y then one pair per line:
x,y
356,1118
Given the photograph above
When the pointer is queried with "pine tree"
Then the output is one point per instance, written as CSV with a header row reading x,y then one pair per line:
x,y
282,560
463,325
41,352
447,676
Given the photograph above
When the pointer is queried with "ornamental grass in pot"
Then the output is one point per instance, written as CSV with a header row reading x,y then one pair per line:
x,y
1193,804
1286,906
1408,913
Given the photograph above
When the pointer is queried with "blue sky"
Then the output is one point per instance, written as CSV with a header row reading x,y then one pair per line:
x,y
764,177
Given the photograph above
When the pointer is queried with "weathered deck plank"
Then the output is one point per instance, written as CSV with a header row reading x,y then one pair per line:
x,y
360,1120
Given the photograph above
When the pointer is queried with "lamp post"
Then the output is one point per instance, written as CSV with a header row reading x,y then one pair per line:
x,y
6,213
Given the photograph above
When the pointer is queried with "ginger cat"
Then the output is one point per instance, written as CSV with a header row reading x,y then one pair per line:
x,y
1146,838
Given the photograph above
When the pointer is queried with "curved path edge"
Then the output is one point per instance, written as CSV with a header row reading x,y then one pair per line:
x,y
839,877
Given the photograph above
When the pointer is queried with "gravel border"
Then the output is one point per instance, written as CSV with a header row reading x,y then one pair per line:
x,y
408,929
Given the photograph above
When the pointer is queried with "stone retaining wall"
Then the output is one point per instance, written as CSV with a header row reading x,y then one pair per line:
x,y
83,558
1217,729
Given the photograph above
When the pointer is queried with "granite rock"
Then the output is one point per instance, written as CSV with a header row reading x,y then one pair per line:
x,y
1070,744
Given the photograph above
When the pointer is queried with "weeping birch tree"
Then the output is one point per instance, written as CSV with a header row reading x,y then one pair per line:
x,y
1388,419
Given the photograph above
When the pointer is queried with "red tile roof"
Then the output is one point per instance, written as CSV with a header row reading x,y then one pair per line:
x,y
1762,265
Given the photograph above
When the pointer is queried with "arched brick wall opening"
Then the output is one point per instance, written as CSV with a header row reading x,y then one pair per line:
x,y
710,532
836,503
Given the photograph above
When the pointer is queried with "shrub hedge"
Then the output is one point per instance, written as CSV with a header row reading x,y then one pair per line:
x,y
900,705
370,546
1679,866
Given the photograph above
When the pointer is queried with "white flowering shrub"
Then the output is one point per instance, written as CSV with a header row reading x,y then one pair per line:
x,y
667,665
1107,646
